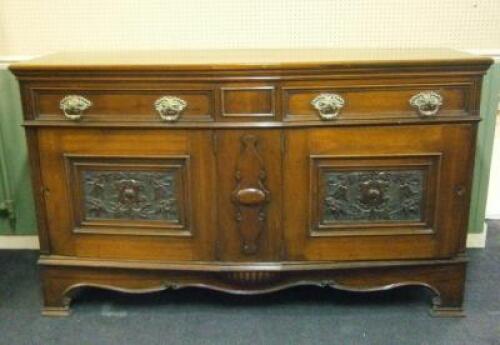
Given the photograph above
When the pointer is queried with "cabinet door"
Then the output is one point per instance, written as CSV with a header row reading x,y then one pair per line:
x,y
128,194
249,185
386,192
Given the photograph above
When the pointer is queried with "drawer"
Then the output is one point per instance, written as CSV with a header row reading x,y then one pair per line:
x,y
341,101
119,103
247,102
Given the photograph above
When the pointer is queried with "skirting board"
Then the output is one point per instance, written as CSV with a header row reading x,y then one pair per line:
x,y
478,240
19,242
31,242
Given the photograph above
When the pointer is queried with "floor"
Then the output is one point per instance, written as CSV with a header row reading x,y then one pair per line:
x,y
296,316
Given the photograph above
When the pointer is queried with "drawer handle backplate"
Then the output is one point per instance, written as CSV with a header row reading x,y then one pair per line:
x,y
73,106
170,108
328,105
427,103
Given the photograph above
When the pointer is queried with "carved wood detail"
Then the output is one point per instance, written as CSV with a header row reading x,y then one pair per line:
x,y
250,195
131,195
373,195
134,195
249,129
444,280
251,277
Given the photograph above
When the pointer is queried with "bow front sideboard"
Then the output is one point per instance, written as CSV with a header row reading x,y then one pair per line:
x,y
252,171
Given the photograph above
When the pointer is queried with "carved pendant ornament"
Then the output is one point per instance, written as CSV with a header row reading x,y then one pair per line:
x,y
132,195
383,195
250,195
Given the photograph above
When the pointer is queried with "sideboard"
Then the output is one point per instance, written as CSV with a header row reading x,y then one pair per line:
x,y
252,171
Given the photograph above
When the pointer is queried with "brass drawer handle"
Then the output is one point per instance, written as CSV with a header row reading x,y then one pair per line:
x,y
170,108
427,103
73,106
328,105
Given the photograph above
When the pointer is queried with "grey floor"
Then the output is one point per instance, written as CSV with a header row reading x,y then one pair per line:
x,y
296,316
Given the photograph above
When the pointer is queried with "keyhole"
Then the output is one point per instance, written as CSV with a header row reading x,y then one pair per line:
x,y
460,190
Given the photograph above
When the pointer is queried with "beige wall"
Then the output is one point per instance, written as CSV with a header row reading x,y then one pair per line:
x,y
40,26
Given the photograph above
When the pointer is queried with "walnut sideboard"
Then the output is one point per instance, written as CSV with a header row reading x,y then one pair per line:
x,y
251,171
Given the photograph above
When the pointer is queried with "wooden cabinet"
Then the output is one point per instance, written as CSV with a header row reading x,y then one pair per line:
x,y
251,173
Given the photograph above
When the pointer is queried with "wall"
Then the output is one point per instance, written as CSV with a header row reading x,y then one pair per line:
x,y
493,204
33,27
14,175
37,27
489,103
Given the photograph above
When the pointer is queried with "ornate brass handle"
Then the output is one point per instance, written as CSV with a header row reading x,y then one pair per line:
x,y
73,106
170,108
427,103
328,105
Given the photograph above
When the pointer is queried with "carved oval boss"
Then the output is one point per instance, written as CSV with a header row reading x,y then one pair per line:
x,y
250,196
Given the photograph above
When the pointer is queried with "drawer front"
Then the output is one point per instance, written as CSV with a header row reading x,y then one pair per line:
x,y
377,193
288,101
167,103
247,102
316,101
128,194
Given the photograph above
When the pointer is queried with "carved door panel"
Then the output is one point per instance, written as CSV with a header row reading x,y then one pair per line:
x,y
376,193
249,195
128,194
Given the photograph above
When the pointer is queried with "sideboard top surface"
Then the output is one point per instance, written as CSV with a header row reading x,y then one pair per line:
x,y
272,59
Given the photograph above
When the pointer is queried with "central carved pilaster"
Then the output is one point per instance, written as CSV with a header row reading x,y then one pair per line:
x,y
250,195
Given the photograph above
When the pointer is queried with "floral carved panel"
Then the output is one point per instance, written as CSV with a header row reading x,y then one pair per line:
x,y
142,196
374,195
130,195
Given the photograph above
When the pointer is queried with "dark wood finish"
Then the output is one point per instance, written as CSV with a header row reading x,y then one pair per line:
x,y
250,191
377,99
118,176
247,101
428,166
117,102
445,279
249,160
60,147
452,145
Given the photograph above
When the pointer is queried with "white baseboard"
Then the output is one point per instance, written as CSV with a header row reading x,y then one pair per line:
x,y
477,240
19,242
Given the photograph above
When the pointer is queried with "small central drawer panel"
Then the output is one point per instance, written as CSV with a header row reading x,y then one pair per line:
x,y
124,104
247,102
